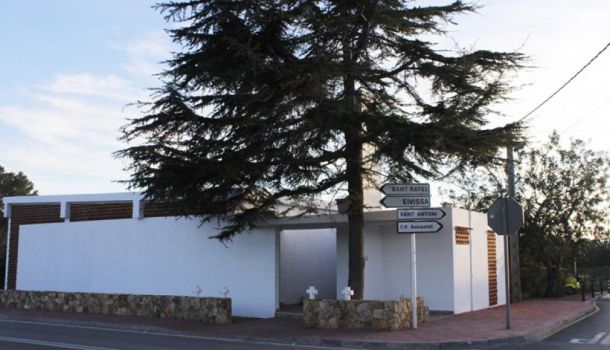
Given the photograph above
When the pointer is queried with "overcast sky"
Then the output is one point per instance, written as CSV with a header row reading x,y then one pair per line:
x,y
71,67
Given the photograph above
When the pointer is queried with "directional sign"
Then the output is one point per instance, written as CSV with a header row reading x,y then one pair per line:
x,y
405,201
420,214
505,216
406,189
419,226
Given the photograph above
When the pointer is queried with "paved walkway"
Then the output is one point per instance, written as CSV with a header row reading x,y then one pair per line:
x,y
531,320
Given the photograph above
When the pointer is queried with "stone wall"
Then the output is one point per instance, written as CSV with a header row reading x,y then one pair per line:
x,y
372,314
211,310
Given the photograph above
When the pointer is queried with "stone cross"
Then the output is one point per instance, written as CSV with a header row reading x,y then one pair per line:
x,y
312,291
224,292
347,293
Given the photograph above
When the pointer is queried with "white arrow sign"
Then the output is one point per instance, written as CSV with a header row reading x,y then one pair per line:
x,y
420,214
406,189
406,201
419,226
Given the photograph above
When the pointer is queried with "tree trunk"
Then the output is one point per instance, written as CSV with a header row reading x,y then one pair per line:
x,y
353,168
552,280
355,213
515,268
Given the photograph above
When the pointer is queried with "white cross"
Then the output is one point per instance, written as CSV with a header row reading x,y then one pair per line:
x,y
224,292
347,293
312,291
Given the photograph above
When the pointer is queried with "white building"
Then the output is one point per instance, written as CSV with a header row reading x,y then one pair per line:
x,y
115,243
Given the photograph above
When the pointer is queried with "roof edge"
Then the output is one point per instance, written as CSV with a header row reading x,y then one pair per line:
x,y
93,197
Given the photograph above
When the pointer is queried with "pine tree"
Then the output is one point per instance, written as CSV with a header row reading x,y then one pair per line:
x,y
270,103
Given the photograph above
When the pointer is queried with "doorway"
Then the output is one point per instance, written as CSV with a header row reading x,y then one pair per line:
x,y
307,258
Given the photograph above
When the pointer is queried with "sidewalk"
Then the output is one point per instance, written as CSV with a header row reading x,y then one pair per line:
x,y
532,320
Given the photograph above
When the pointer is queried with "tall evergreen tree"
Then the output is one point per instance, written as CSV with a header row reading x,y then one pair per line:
x,y
270,103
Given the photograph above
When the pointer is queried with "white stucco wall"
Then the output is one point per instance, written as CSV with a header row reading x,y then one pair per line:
x,y
161,256
308,258
374,268
342,260
471,264
396,259
500,270
461,265
435,266
386,274
450,277
480,272
388,265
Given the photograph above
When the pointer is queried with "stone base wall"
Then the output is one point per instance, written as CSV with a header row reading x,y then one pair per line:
x,y
372,314
211,310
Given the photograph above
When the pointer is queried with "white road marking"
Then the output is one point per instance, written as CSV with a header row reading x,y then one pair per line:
x,y
606,340
219,339
593,340
53,344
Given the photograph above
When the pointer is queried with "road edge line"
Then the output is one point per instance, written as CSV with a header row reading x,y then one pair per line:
x,y
177,334
592,311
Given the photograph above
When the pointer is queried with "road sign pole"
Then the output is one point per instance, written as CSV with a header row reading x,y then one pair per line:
x,y
510,171
506,270
505,216
413,282
513,240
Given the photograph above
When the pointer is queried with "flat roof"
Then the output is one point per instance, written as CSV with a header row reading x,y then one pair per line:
x,y
323,220
74,198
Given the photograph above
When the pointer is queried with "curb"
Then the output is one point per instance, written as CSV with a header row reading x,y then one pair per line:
x,y
479,344
533,336
561,325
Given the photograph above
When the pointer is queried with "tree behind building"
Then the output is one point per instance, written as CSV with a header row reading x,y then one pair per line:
x,y
566,198
11,184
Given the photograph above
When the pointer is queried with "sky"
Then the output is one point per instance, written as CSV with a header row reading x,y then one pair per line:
x,y
71,69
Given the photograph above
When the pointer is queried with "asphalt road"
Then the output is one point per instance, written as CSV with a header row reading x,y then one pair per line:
x,y
593,333
19,335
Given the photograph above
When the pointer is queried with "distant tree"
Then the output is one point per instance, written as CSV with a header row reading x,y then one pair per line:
x,y
270,104
474,188
565,194
594,253
11,184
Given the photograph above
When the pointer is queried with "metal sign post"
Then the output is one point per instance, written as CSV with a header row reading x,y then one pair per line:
x,y
413,282
505,216
507,281
418,218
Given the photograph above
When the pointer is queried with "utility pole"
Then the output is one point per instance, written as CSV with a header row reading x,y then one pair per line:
x,y
515,269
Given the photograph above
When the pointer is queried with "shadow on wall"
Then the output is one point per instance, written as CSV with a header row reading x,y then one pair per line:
x,y
307,258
